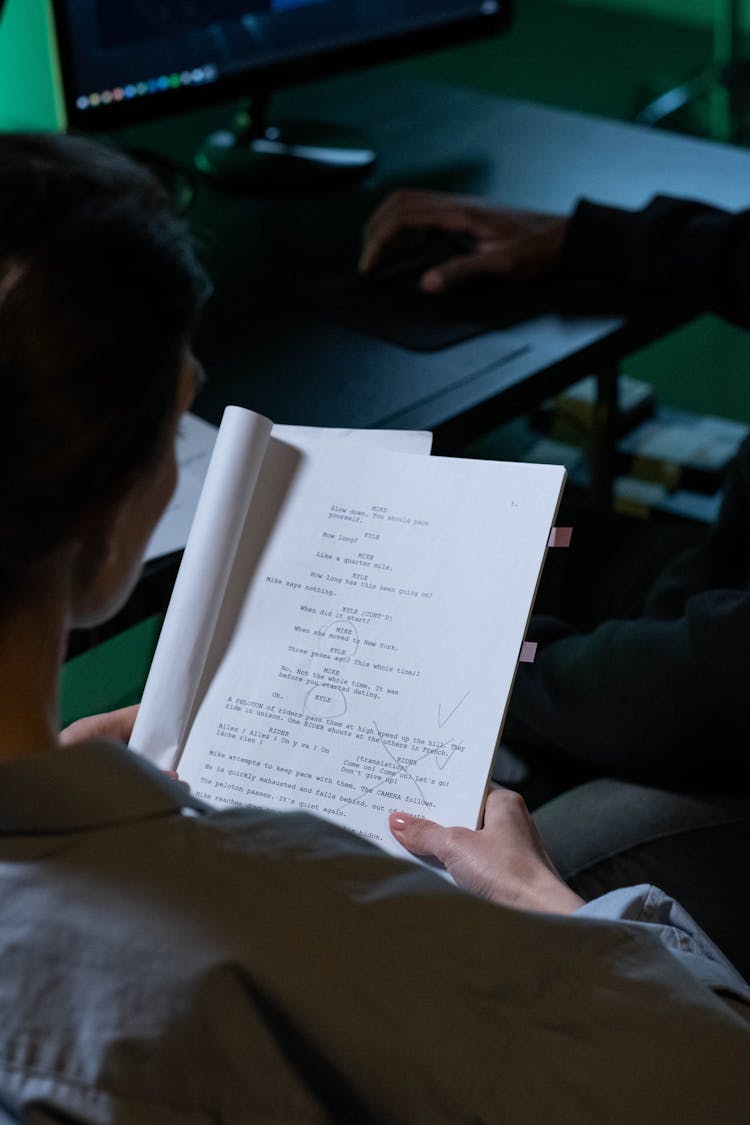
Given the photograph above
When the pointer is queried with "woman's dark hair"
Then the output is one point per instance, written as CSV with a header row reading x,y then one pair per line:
x,y
99,293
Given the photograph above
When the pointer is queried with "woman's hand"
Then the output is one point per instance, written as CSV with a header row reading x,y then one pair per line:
x,y
521,245
503,861
116,726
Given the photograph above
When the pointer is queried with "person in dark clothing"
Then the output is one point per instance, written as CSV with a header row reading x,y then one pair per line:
x,y
653,692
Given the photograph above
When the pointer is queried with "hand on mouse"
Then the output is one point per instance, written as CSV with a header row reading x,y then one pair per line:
x,y
522,245
503,861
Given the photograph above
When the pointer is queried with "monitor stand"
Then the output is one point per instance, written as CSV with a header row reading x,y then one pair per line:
x,y
256,157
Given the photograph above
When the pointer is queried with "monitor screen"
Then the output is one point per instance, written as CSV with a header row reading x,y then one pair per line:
x,y
124,62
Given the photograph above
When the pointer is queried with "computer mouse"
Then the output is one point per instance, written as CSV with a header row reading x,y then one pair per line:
x,y
414,251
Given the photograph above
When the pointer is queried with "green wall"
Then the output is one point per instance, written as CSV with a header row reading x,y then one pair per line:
x,y
110,675
28,91
700,12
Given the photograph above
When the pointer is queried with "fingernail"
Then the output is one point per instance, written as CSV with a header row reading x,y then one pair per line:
x,y
399,821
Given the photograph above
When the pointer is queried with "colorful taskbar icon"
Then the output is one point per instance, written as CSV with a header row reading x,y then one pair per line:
x,y
198,76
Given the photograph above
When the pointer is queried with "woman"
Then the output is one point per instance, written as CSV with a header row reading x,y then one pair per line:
x,y
163,962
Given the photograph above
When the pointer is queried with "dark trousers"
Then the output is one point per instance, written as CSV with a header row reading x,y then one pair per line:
x,y
613,833
605,832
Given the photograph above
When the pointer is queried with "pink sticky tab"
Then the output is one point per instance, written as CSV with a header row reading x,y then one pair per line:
x,y
560,537
528,652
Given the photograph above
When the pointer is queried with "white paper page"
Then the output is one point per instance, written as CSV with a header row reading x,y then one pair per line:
x,y
370,662
176,671
395,441
201,585
195,444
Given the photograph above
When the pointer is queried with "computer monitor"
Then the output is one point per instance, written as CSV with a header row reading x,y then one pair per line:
x,y
128,62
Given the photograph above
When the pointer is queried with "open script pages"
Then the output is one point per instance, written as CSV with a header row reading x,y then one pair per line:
x,y
219,522
369,630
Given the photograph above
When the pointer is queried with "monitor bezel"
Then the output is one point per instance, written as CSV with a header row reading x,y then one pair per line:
x,y
268,78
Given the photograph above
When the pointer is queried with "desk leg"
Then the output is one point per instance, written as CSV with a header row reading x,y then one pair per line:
x,y
604,436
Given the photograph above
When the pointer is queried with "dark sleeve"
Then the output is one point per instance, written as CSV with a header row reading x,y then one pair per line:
x,y
644,695
676,251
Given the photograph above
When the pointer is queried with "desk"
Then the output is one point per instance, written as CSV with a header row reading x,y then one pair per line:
x,y
266,349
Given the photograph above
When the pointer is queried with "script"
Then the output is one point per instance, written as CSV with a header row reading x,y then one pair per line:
x,y
346,624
